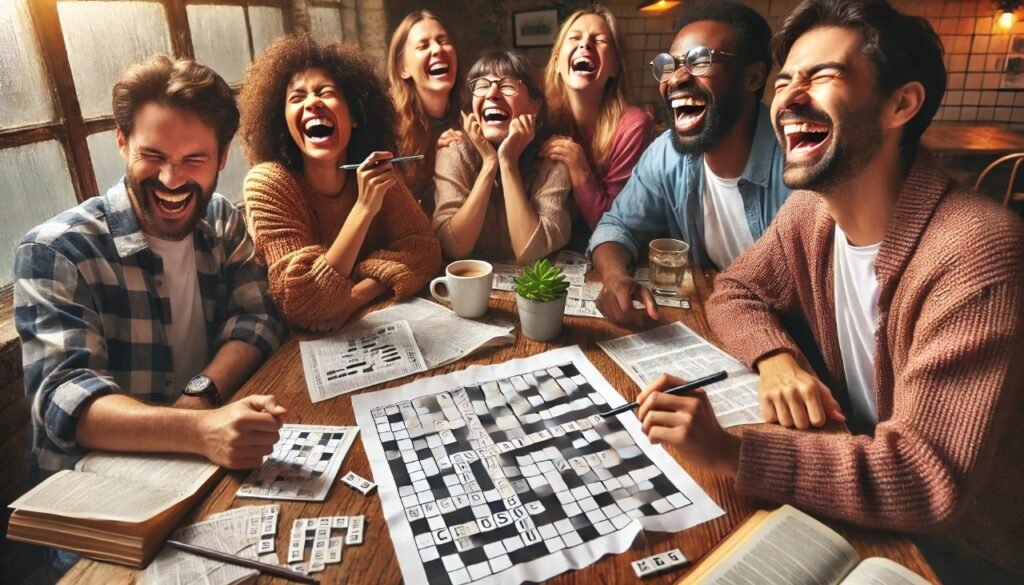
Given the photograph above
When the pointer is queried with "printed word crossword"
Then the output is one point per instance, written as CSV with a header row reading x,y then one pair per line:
x,y
507,473
303,465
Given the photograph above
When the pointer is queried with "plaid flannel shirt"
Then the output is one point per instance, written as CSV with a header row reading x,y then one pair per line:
x,y
92,309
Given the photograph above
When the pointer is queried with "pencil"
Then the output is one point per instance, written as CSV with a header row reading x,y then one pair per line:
x,y
677,391
399,159
242,562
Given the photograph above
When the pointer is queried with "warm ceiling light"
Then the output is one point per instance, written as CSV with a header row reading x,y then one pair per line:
x,y
659,5
1006,10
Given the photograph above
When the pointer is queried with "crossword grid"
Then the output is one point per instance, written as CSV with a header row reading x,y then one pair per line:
x,y
303,464
505,472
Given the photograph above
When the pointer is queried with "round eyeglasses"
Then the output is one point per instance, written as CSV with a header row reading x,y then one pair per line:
x,y
697,62
480,86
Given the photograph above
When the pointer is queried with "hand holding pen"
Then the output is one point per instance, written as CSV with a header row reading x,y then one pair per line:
x,y
381,161
376,176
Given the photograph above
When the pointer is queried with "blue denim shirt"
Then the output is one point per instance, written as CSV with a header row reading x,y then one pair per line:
x,y
663,197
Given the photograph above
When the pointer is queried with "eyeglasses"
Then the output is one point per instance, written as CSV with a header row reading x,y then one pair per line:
x,y
697,62
481,86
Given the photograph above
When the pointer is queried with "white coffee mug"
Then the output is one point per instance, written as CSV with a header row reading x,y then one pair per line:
x,y
469,287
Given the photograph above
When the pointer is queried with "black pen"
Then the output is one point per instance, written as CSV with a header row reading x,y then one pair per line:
x,y
383,160
678,390
242,562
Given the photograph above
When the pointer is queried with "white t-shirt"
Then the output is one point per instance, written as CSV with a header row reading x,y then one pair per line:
x,y
187,332
726,231
856,297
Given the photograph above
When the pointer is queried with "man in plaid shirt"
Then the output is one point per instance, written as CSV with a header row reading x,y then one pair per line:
x,y
142,310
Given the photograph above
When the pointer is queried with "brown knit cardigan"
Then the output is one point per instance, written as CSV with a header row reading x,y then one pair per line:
x,y
292,226
947,455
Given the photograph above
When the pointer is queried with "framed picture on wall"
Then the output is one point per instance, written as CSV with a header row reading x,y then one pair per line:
x,y
535,28
1013,70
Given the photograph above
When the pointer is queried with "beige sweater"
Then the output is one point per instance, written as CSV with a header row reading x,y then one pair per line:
x,y
292,226
547,185
947,455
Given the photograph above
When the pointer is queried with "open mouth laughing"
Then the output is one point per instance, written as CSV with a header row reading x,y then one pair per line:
x,y
171,204
318,130
805,139
495,116
583,66
438,70
688,112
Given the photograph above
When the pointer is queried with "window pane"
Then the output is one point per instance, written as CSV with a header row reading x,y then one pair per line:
x,y
267,23
106,159
325,23
27,100
230,182
34,185
220,40
103,38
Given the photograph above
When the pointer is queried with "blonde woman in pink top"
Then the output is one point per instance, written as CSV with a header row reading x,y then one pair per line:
x,y
597,133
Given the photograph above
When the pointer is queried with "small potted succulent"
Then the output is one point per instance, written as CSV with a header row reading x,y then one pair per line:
x,y
540,296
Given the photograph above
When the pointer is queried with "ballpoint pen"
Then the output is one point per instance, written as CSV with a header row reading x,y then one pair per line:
x,y
265,568
678,390
399,159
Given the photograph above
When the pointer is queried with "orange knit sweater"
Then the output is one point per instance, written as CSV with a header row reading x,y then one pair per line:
x,y
946,455
292,227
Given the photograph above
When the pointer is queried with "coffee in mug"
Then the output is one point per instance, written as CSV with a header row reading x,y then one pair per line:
x,y
469,287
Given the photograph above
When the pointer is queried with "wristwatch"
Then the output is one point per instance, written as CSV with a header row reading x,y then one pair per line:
x,y
203,387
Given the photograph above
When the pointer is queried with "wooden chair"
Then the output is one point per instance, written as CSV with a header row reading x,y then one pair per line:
x,y
1009,196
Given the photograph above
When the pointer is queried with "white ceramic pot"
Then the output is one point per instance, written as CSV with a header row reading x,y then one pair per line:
x,y
541,320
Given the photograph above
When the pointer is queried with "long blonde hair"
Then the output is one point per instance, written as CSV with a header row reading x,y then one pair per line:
x,y
413,125
613,103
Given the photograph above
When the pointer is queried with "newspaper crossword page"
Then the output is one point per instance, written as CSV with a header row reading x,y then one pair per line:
x,y
507,473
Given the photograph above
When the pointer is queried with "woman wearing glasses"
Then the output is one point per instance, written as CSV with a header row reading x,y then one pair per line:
x,y
598,135
496,197
425,84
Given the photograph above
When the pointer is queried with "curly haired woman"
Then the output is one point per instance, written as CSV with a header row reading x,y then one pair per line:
x,y
333,240
423,75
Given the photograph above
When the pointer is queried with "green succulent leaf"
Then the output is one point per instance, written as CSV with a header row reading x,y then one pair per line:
x,y
541,282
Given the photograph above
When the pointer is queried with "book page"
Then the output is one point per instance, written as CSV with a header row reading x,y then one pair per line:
x,y
181,473
789,548
94,497
879,571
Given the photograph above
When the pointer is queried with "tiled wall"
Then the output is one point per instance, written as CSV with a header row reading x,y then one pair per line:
x,y
975,52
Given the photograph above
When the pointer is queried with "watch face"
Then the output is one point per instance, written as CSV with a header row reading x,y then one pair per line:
x,y
197,385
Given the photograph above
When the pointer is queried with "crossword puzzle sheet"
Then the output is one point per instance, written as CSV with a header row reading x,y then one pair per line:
x,y
507,473
303,464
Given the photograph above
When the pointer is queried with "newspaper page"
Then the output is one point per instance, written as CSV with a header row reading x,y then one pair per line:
x,y
789,548
442,336
351,361
230,532
678,350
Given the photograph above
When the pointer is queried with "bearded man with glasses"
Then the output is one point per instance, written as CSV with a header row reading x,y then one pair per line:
x,y
714,178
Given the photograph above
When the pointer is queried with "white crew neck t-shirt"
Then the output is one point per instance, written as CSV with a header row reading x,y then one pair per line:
x,y
726,231
187,332
856,298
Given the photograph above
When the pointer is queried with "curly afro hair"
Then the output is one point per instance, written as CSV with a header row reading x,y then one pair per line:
x,y
264,131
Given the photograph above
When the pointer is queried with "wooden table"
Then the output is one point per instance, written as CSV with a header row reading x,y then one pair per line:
x,y
958,140
374,561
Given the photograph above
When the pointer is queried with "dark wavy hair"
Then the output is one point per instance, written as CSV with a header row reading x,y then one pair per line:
x,y
903,48
264,131
752,31
182,84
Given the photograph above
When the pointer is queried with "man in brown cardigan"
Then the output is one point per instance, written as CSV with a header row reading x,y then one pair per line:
x,y
882,294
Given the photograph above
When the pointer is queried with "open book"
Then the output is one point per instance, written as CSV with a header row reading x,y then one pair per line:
x,y
788,547
112,507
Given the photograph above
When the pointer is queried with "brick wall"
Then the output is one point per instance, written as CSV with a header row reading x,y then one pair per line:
x,y
975,52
